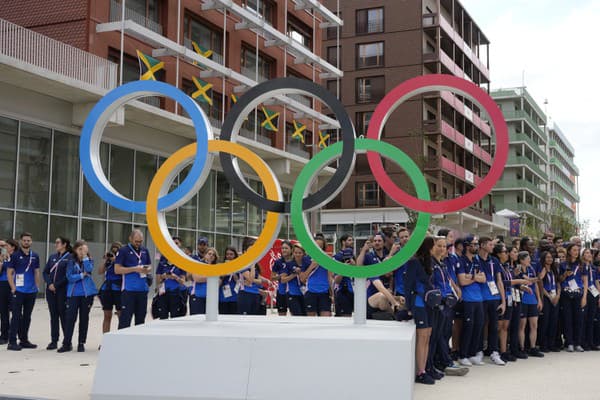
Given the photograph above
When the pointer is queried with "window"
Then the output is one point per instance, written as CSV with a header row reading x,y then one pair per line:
x,y
368,194
131,72
362,122
369,55
333,31
34,167
294,144
205,35
8,161
299,31
369,90
332,86
264,8
65,174
249,62
332,55
147,8
369,20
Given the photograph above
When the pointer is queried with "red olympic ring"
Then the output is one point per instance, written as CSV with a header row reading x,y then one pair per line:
x,y
430,83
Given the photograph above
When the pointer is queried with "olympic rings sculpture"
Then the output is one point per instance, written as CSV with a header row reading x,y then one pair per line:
x,y
201,154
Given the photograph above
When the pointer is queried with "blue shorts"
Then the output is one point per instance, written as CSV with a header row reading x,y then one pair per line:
x,y
422,317
529,310
317,302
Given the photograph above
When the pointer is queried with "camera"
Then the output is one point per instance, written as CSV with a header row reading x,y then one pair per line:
x,y
109,255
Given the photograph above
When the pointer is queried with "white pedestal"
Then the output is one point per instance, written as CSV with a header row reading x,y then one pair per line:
x,y
259,358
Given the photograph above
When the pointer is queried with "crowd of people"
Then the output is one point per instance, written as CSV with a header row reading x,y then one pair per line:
x,y
469,297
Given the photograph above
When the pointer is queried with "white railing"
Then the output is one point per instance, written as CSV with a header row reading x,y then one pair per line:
x,y
34,48
251,73
307,101
116,14
216,57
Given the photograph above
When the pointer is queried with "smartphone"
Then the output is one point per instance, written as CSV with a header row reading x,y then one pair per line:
x,y
557,260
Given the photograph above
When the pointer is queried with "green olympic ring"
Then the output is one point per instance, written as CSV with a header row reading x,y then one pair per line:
x,y
300,225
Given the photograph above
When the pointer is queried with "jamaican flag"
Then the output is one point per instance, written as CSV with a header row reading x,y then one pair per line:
x,y
298,133
148,66
203,51
271,120
323,140
203,92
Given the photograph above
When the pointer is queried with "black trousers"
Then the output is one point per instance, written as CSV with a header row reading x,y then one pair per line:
x,y
133,304
57,306
589,320
228,307
513,330
77,305
5,297
170,304
22,307
572,318
472,329
548,322
248,303
197,305
490,315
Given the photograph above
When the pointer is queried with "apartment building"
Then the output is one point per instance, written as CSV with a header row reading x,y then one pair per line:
x,y
563,177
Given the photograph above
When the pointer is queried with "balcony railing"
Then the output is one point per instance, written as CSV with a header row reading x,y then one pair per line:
x,y
307,101
520,160
251,73
36,49
522,207
521,114
565,156
520,184
216,57
521,137
116,14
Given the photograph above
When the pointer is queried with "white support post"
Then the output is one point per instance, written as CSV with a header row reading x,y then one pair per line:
x,y
212,298
360,301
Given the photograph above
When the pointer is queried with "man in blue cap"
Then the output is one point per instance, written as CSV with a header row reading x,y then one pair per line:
x,y
202,246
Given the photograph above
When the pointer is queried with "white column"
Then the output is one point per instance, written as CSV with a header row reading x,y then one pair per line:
x,y
360,301
212,298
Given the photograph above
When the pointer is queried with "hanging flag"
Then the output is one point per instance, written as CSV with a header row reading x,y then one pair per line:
x,y
234,99
515,227
148,66
204,52
271,120
323,140
298,131
203,92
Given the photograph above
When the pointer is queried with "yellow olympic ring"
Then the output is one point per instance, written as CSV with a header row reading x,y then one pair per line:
x,y
157,224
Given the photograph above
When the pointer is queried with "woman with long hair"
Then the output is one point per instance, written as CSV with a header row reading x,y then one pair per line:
x,y
55,276
573,280
318,286
249,297
531,306
418,281
279,267
593,294
198,289
81,291
229,288
550,291
292,277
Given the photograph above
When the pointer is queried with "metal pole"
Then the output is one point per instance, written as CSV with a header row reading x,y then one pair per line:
x,y
212,298
360,301
122,42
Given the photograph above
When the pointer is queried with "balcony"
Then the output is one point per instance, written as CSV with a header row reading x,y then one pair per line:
x,y
521,114
431,20
521,137
569,159
458,138
522,208
459,106
116,11
251,73
569,188
514,161
520,184
55,60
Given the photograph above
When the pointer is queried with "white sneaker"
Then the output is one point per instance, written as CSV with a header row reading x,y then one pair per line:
x,y
495,357
456,370
465,362
570,348
479,356
476,361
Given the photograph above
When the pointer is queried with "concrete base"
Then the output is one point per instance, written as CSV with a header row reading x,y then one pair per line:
x,y
262,358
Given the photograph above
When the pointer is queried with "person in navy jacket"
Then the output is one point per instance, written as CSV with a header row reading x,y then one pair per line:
x,y
133,262
110,291
573,279
55,276
531,305
592,300
279,267
318,286
81,291
7,247
343,291
170,280
229,288
24,281
550,293
198,289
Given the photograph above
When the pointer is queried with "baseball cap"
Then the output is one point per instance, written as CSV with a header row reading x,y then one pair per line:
x,y
202,240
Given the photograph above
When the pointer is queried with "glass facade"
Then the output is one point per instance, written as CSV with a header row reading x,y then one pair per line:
x,y
44,192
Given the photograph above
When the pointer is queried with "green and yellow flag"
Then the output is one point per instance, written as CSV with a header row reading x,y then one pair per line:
x,y
323,140
271,120
298,131
234,99
203,93
202,50
148,66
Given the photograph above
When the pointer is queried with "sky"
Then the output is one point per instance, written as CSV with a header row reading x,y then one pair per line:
x,y
555,43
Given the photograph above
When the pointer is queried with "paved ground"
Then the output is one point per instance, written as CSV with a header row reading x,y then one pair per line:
x,y
49,375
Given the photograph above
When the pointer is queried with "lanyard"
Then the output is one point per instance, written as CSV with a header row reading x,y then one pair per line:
x,y
507,272
437,266
492,268
29,263
551,278
58,262
590,268
139,256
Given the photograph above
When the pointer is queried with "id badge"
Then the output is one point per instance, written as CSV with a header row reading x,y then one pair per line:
x,y
493,288
237,287
516,295
20,280
594,291
553,293
509,300
573,285
162,290
227,291
303,290
143,276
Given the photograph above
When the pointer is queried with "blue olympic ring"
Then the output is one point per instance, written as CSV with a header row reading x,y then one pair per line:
x,y
91,135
